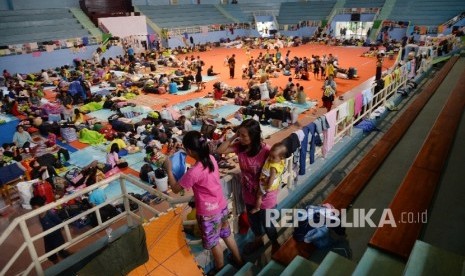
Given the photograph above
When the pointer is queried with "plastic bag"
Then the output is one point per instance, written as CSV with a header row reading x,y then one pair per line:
x,y
26,192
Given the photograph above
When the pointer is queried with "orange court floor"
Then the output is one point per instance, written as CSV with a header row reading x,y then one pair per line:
x,y
348,56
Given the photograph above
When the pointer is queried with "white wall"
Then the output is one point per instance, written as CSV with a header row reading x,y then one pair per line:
x,y
29,64
304,31
125,25
200,38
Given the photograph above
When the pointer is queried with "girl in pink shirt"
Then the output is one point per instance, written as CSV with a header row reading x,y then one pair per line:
x,y
252,154
212,211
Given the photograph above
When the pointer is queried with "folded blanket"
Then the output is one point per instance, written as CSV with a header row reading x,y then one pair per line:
x,y
91,137
92,106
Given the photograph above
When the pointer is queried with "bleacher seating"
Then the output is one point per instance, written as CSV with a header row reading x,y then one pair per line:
x,y
295,12
364,4
172,16
426,169
250,9
424,260
236,12
22,26
426,13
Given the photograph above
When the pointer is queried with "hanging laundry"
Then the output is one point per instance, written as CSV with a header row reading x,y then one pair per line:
x,y
367,96
343,110
330,133
350,109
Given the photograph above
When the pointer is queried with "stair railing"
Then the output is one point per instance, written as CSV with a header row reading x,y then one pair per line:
x,y
20,223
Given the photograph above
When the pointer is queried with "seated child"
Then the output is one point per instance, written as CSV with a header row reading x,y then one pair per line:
x,y
270,178
51,140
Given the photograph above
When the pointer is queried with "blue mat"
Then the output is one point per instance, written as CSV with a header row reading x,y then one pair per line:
x,y
103,92
192,102
101,114
8,129
84,157
139,118
267,130
134,158
225,110
114,189
194,87
181,92
137,166
300,107
208,78
66,146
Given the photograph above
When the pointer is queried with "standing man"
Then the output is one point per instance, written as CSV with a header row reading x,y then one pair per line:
x,y
232,64
131,54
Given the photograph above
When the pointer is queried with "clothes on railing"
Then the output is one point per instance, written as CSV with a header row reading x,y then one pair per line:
x,y
350,109
367,96
330,133
291,143
321,124
312,137
358,104
300,134
343,110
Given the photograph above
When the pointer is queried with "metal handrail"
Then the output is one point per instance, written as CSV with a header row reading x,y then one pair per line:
x,y
29,239
378,99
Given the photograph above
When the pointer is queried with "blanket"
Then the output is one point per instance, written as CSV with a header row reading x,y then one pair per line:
x,y
91,137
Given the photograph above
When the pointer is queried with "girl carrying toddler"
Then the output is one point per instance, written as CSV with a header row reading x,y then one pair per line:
x,y
271,176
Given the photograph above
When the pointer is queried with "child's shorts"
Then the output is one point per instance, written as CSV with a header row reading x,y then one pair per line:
x,y
211,228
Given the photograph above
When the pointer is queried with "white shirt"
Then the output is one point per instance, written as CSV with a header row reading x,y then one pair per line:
x,y
188,126
264,93
44,76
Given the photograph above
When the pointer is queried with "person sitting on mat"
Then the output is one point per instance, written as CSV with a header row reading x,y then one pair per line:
x,y
210,72
113,159
186,82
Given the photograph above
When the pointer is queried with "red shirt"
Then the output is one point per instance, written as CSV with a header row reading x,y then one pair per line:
x,y
218,94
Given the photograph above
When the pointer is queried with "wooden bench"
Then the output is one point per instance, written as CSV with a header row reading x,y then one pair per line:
x,y
417,190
